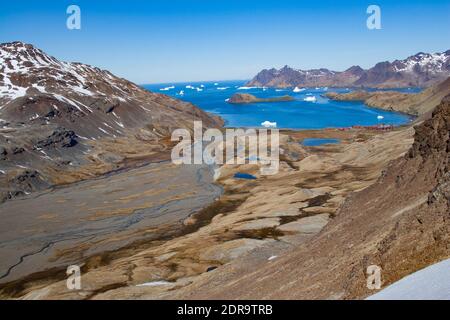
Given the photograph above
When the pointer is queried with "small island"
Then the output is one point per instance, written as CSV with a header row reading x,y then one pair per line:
x,y
248,98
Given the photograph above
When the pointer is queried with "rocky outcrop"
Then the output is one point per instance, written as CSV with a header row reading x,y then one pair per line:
x,y
106,105
60,138
21,183
248,98
420,70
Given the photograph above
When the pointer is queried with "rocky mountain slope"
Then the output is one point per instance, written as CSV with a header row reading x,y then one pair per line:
x,y
420,70
401,223
416,104
61,122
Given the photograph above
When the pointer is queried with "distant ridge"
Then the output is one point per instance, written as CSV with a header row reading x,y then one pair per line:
x,y
420,70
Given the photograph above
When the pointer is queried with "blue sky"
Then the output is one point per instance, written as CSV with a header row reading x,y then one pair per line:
x,y
167,41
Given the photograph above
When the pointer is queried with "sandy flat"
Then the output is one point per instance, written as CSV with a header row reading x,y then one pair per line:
x,y
63,226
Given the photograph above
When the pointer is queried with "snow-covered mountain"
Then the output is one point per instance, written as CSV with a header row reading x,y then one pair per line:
x,y
424,62
56,91
421,70
53,112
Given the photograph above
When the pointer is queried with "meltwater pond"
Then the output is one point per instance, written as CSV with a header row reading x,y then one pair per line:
x,y
314,142
246,176
309,110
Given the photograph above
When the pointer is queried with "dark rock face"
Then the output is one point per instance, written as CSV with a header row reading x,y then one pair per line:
x,y
422,70
60,138
105,105
27,178
38,108
17,150
22,183
433,135
3,153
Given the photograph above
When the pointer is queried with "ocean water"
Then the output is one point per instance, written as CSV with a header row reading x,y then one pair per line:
x,y
298,114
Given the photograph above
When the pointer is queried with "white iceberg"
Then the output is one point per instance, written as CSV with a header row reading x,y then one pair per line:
x,y
222,88
216,84
380,117
269,124
246,88
189,87
310,99
167,88
297,89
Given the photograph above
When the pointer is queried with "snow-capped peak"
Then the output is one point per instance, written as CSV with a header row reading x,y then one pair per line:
x,y
22,66
423,62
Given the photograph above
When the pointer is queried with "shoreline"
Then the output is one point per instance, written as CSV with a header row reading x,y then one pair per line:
x,y
411,116
338,87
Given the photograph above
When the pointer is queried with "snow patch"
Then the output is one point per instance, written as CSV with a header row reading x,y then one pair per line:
x,y
154,284
431,283
167,88
103,130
